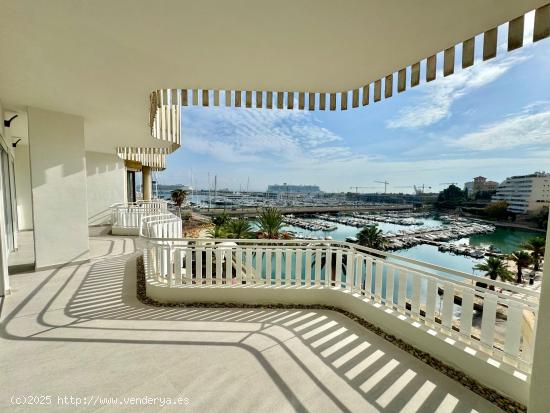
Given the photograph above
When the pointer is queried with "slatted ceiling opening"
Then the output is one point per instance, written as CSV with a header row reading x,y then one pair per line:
x,y
301,100
355,98
322,101
280,100
401,80
248,98
415,74
290,100
515,33
388,86
344,101
333,101
490,43
542,23
259,98
311,101
431,67
365,99
449,61
269,100
377,90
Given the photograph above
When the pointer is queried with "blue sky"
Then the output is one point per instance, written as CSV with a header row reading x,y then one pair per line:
x,y
492,119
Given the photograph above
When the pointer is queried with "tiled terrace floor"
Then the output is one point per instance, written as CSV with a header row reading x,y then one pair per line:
x,y
80,331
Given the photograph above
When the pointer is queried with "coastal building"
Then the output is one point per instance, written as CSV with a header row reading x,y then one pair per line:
x,y
94,93
294,189
525,193
479,184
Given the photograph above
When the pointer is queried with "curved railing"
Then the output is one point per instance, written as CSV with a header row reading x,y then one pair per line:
x,y
126,218
487,315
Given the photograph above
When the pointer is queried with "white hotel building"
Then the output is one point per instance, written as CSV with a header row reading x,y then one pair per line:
x,y
100,88
525,193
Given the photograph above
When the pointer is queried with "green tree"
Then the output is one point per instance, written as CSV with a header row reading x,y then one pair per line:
x,y
270,222
178,196
495,268
497,210
372,237
221,219
451,197
536,246
522,259
238,229
217,231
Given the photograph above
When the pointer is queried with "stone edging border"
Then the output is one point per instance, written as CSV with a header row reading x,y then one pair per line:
x,y
501,401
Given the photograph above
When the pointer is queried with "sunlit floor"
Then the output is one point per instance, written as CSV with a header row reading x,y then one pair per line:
x,y
80,331
23,258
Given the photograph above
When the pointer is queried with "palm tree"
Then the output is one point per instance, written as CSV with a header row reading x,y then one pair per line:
x,y
536,246
217,231
238,228
221,219
372,237
495,268
270,222
522,260
178,196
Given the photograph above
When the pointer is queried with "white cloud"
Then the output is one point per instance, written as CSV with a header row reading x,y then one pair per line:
x,y
437,97
529,128
233,135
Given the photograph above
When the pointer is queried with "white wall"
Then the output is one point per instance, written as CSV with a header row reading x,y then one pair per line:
x,y
58,180
106,180
23,187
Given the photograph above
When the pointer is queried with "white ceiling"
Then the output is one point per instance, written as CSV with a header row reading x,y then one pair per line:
x,y
101,58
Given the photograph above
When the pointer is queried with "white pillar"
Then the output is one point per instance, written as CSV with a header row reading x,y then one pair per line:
x,y
4,277
539,389
58,181
146,183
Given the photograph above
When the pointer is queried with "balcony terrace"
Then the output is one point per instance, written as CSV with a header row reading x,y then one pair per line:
x,y
88,321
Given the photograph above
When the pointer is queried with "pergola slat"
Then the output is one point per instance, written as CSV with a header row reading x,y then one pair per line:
x,y
290,100
378,90
301,100
468,49
515,33
401,80
415,74
311,101
490,44
542,23
365,100
259,97
388,86
280,100
355,98
216,97
431,65
269,103
248,98
322,101
195,97
333,101
238,98
184,100
228,98
449,61
343,100
205,98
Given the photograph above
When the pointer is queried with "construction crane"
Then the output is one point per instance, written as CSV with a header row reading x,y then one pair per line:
x,y
386,183
360,187
419,190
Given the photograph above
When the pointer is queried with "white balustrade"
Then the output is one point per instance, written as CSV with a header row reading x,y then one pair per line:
x,y
126,218
484,314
